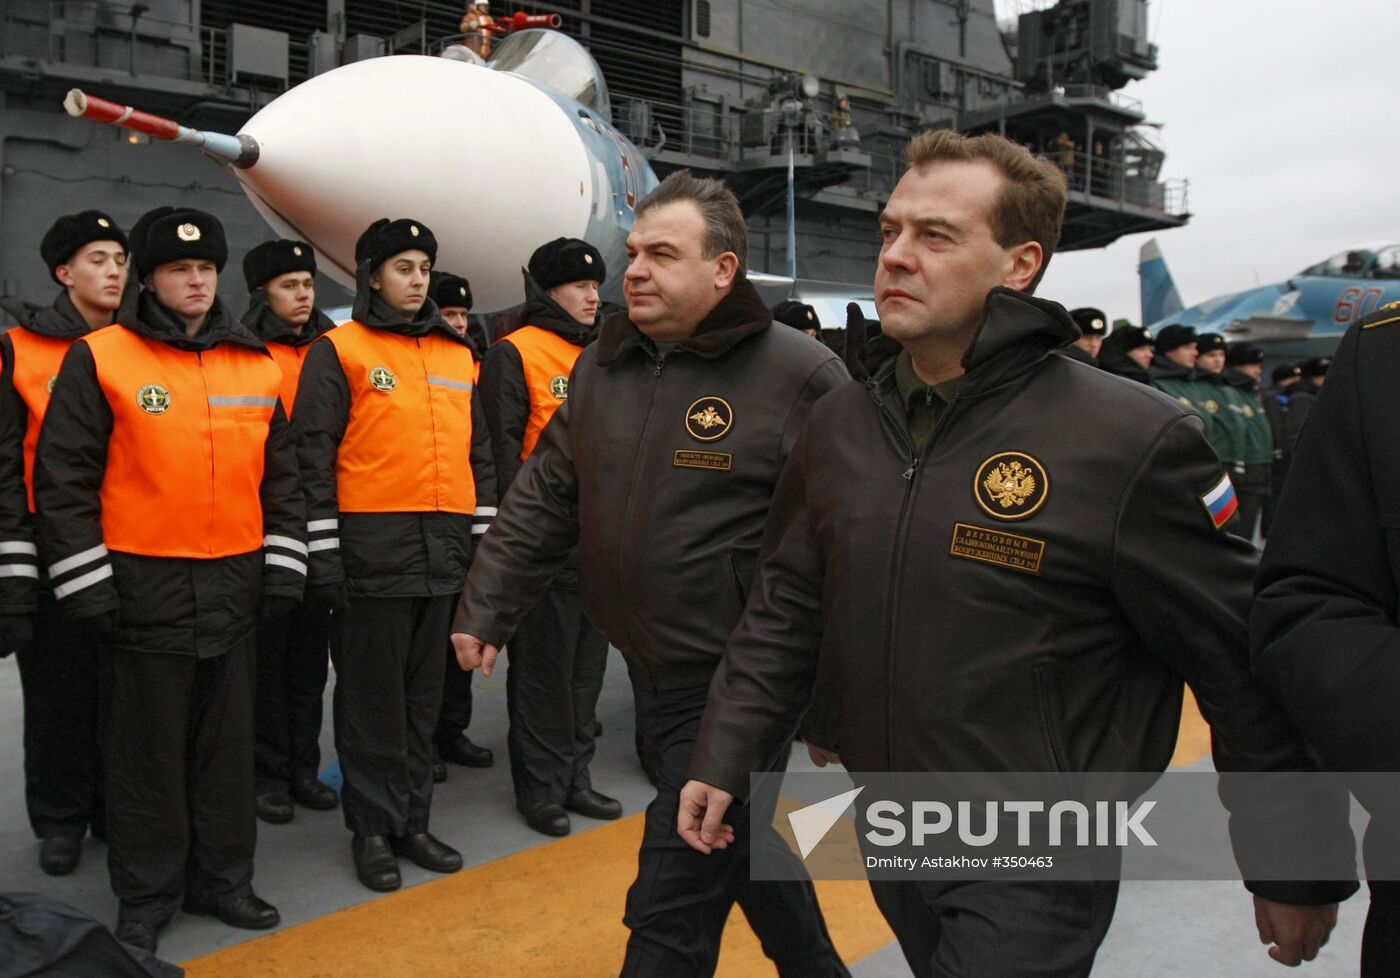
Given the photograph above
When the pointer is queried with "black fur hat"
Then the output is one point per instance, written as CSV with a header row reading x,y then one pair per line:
x,y
449,291
1091,321
1242,353
798,315
1209,343
168,234
72,231
384,239
566,260
1128,338
1173,336
273,258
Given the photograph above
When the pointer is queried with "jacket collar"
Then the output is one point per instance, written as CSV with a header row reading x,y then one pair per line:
x,y
542,312
61,319
739,315
144,315
260,320
1164,369
1015,333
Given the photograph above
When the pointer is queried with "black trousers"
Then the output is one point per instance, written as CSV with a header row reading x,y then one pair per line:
x,y
293,660
455,714
677,907
1252,489
555,675
998,929
388,687
63,705
180,778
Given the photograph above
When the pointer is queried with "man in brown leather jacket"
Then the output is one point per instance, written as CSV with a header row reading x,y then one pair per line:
x,y
981,588
660,467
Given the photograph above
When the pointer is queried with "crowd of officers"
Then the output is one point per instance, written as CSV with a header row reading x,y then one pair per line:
x,y
196,508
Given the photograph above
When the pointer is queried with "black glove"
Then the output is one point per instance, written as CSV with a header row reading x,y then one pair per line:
x,y
331,596
278,605
16,632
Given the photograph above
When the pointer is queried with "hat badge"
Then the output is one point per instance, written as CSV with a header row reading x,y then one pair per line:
x,y
413,230
102,222
462,291
810,316
588,259
187,232
296,250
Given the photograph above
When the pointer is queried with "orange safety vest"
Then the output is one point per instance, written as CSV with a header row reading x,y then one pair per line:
x,y
37,359
408,440
189,433
548,359
291,359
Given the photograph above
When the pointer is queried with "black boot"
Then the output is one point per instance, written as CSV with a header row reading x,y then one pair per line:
x,y
59,854
545,817
426,851
374,863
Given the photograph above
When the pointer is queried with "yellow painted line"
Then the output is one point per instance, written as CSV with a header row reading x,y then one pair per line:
x,y
555,909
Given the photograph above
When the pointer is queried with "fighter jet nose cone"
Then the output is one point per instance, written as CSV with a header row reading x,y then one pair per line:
x,y
489,161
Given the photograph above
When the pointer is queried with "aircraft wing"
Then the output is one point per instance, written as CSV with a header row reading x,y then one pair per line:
x,y
1267,329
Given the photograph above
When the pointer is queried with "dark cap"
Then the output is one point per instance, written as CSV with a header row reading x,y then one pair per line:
x,y
1129,338
384,239
1241,354
1315,367
1173,336
1091,321
565,260
798,315
1210,342
71,232
168,234
273,258
449,291
1285,370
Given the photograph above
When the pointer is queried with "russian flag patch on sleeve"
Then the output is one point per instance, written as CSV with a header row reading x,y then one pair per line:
x,y
1220,502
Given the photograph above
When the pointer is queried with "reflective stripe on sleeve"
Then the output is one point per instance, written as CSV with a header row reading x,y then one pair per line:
x,y
331,544
286,543
77,560
19,547
79,583
277,560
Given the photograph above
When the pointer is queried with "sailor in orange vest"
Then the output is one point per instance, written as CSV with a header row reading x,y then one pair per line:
x,y
396,467
58,662
453,296
166,487
556,657
293,648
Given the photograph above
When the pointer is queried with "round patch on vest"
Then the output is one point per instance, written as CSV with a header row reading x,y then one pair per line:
x,y
187,232
48,387
559,387
1011,485
153,399
709,419
382,379
1212,406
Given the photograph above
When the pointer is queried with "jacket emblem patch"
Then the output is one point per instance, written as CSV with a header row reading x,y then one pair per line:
x,y
1011,485
1220,502
709,419
997,547
153,399
1212,406
382,379
559,387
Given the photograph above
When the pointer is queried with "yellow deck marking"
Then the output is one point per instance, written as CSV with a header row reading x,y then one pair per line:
x,y
555,909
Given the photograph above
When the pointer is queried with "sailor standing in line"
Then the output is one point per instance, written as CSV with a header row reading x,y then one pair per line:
x,y
293,646
396,467
58,661
557,658
169,514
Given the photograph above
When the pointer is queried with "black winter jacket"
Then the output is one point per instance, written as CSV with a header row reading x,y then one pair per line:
x,y
178,605
381,554
661,468
956,616
19,585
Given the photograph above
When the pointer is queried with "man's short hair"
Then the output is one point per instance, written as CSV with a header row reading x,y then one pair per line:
x,y
1032,202
725,229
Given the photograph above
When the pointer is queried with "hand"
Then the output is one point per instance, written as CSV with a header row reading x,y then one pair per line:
x,y
474,653
820,756
331,596
699,820
16,633
1297,932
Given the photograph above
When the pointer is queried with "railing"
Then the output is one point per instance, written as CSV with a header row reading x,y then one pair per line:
x,y
1107,178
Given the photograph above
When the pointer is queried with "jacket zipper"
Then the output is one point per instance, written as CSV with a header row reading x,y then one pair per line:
x,y
624,551
911,475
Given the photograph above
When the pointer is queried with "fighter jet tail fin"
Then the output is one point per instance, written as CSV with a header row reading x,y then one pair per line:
x,y
1160,298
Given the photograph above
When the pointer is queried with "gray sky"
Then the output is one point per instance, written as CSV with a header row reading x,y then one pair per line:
x,y
1282,114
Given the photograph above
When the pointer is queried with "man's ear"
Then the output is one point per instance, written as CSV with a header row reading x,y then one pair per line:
x,y
1026,261
726,270
65,277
